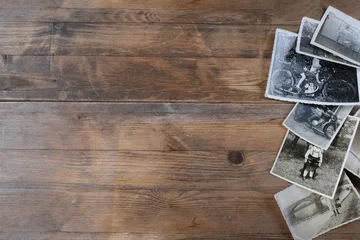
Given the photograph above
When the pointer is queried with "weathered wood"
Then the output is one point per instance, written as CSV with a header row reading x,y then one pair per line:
x,y
335,234
159,211
142,126
56,235
112,170
134,79
168,211
213,12
181,40
25,38
113,15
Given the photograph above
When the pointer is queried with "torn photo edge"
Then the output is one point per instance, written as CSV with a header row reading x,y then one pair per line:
x,y
309,140
343,175
298,44
341,171
345,17
268,95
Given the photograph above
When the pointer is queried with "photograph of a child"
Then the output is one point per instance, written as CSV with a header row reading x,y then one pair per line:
x,y
309,215
317,124
311,167
307,29
299,78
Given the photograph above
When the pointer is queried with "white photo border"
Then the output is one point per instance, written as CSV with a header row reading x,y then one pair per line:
x,y
268,95
342,166
308,140
297,49
345,17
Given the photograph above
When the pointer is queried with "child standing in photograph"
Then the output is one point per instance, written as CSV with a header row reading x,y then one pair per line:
x,y
313,160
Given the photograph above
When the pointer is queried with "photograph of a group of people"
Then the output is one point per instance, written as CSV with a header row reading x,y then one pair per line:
x,y
309,214
312,167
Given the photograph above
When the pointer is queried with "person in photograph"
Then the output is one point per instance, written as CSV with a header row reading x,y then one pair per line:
x,y
313,160
332,206
312,72
320,115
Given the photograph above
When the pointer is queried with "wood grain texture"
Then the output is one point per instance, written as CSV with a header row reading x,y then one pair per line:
x,y
133,79
175,12
165,127
113,170
140,211
181,40
25,38
172,137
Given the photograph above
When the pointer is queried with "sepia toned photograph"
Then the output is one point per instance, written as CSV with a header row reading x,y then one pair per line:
x,y
353,160
307,29
339,34
311,167
317,124
299,78
309,215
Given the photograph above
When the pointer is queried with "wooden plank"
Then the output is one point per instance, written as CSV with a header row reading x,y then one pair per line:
x,y
157,211
113,15
335,234
161,127
56,235
112,170
25,38
230,12
181,40
161,79
169,212
128,79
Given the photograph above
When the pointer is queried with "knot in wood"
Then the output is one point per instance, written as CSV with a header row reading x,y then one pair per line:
x,y
235,158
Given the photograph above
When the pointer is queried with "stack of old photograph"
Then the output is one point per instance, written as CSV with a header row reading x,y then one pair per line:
x,y
318,68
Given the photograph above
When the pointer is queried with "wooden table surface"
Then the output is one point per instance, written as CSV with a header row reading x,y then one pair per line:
x,y
138,119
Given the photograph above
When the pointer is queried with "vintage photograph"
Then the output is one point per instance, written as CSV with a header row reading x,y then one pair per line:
x,y
317,124
339,34
307,29
309,215
311,167
299,78
353,160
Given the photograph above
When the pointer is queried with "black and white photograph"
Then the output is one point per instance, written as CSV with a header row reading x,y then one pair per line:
x,y
309,215
317,124
307,29
338,33
299,78
353,160
311,167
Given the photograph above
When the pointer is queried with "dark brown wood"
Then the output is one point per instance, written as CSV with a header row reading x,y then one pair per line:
x,y
133,79
113,170
175,12
25,38
156,211
172,137
181,40
164,127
